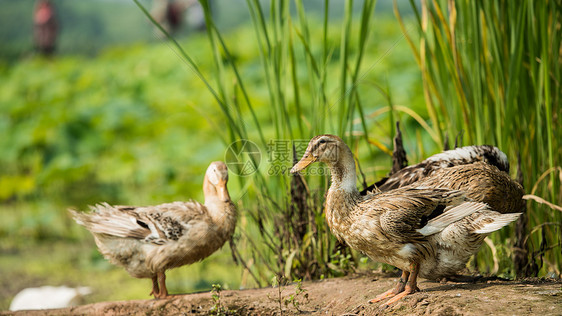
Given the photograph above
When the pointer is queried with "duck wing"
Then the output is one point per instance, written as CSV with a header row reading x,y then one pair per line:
x,y
152,224
410,214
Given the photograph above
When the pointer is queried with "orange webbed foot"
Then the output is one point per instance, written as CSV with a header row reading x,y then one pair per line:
x,y
407,291
155,289
407,285
399,288
385,295
163,291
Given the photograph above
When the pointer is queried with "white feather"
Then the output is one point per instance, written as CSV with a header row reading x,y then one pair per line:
x,y
458,153
467,153
407,251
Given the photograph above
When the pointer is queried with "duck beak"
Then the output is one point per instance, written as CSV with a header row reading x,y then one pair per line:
x,y
223,191
306,160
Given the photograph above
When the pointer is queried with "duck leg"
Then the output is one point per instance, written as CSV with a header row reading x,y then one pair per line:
x,y
399,288
411,286
155,289
162,282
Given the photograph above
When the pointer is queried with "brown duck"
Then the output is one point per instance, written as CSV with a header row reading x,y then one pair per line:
x,y
149,240
424,231
481,172
462,156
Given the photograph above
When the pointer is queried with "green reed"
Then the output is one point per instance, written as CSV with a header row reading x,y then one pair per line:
x,y
493,70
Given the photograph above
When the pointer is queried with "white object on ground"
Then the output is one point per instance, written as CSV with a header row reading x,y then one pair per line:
x,y
48,297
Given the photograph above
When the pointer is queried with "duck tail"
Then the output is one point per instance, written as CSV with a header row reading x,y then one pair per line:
x,y
107,220
78,217
498,221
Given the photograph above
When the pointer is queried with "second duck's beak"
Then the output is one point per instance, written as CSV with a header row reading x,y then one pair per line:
x,y
223,192
306,160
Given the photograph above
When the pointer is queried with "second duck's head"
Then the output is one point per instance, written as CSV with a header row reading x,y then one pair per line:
x,y
216,178
323,148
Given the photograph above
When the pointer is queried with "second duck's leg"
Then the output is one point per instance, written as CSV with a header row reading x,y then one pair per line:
x,y
397,289
411,286
155,289
162,282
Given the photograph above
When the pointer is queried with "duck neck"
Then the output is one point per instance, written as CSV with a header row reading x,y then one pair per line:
x,y
343,173
343,194
221,212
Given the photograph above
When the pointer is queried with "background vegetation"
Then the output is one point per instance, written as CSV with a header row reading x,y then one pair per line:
x,y
137,125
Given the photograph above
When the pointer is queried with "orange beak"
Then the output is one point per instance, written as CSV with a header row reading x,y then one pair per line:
x,y
223,191
306,160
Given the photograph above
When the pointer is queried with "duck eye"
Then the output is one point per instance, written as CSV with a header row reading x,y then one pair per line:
x,y
322,141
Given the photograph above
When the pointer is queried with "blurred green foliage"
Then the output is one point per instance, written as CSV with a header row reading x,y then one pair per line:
x,y
81,130
128,127
78,128
131,126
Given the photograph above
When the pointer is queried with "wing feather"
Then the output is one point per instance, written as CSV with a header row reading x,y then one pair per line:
x,y
450,215
413,213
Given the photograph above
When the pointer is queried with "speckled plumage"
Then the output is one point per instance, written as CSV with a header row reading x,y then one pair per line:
x,y
481,172
481,182
417,228
463,156
149,240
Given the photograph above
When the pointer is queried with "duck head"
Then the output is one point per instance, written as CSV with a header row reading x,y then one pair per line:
x,y
216,178
332,151
323,148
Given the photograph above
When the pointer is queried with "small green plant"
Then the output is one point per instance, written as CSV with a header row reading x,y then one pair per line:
x,y
296,299
218,308
278,281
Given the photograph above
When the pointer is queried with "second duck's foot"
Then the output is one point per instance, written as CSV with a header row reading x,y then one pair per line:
x,y
163,293
155,289
161,296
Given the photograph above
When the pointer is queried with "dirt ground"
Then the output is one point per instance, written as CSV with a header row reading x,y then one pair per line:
x,y
349,296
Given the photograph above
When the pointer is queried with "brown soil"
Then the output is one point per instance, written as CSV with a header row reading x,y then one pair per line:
x,y
349,296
